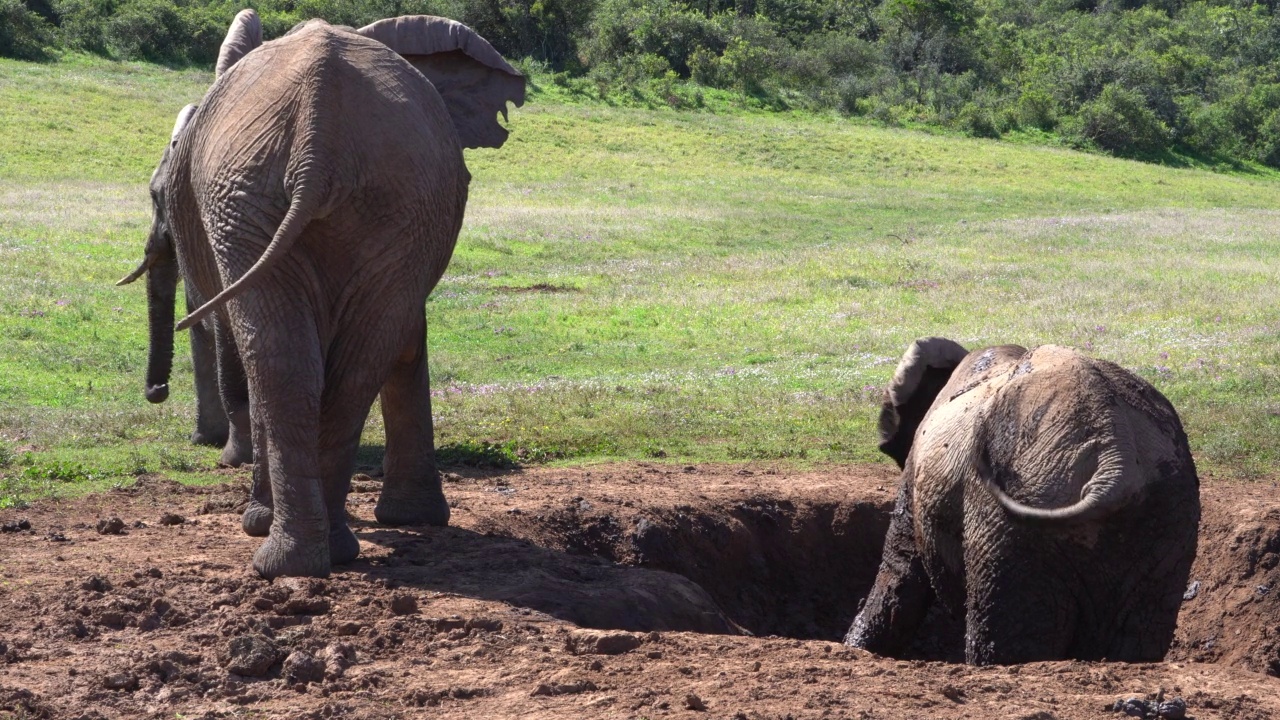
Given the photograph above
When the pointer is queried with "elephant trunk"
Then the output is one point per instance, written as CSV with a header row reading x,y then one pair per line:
x,y
162,289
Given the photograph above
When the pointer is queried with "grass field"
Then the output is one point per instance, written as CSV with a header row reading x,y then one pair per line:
x,y
659,284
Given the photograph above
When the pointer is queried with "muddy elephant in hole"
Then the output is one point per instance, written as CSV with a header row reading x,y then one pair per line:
x,y
1048,498
310,203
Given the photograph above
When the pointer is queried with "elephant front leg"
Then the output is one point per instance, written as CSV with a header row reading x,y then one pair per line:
x,y
233,395
346,406
212,427
896,606
411,492
233,390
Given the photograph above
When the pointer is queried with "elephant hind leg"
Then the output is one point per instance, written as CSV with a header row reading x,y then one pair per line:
x,y
233,402
1150,566
286,392
1020,603
411,491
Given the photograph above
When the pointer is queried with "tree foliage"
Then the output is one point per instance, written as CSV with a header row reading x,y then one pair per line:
x,y
1131,77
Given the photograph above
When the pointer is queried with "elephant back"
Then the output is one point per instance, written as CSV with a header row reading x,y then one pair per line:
x,y
333,101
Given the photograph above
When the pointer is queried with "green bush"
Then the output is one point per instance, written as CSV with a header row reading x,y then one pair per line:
x,y
24,34
1266,149
1119,121
1036,109
977,121
667,28
704,68
146,30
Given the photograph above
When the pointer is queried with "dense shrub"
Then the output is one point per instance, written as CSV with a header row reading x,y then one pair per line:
x,y
1132,77
24,34
1119,120
666,28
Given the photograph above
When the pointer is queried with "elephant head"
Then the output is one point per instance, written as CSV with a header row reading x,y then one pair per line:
x,y
923,372
474,81
160,265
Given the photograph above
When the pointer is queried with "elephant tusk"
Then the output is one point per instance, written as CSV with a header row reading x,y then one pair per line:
x,y
142,268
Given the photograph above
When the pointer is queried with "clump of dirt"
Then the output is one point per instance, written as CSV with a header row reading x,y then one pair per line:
x,y
493,617
1231,610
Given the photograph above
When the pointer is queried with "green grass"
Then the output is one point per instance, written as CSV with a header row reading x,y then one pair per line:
x,y
646,283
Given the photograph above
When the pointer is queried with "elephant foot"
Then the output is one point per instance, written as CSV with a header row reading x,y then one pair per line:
x,y
343,545
420,508
280,556
256,520
211,438
857,636
236,454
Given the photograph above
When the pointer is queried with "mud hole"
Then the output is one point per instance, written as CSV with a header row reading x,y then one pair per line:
x,y
610,591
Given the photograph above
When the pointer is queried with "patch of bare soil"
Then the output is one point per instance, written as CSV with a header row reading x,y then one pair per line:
x,y
620,591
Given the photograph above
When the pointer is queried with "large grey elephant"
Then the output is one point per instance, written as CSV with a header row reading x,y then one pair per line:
x,y
1048,498
310,203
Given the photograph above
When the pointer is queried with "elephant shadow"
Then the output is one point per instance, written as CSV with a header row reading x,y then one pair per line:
x,y
467,459
584,590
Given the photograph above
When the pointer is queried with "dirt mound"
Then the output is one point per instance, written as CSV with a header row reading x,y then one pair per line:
x,y
782,555
482,619
1231,611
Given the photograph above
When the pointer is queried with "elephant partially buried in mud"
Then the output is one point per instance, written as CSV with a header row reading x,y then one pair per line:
x,y
1048,498
311,203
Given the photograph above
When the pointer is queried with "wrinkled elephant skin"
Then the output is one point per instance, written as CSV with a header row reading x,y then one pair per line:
x,y
310,204
1048,498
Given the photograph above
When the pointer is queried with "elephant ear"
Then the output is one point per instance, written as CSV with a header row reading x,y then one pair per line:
x,y
244,35
474,81
922,373
184,117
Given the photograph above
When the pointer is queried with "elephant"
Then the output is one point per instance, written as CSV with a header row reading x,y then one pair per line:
x,y
310,203
1047,498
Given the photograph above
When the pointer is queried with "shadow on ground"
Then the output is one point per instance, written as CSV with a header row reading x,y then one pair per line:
x,y
584,590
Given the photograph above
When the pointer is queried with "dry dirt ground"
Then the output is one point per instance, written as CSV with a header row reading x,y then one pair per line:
x,y
714,591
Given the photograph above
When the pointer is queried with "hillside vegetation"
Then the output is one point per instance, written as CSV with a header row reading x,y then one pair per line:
x,y
637,283
1178,81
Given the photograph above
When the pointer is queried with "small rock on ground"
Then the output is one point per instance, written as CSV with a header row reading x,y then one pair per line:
x,y
120,681
569,688
96,583
404,604
594,642
251,655
110,526
302,667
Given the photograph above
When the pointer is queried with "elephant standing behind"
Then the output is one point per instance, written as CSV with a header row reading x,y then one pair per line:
x,y
311,203
1048,498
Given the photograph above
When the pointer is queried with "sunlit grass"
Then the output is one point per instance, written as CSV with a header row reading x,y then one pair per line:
x,y
653,284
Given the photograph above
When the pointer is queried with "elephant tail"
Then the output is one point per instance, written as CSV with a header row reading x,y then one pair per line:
x,y
1114,482
302,209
